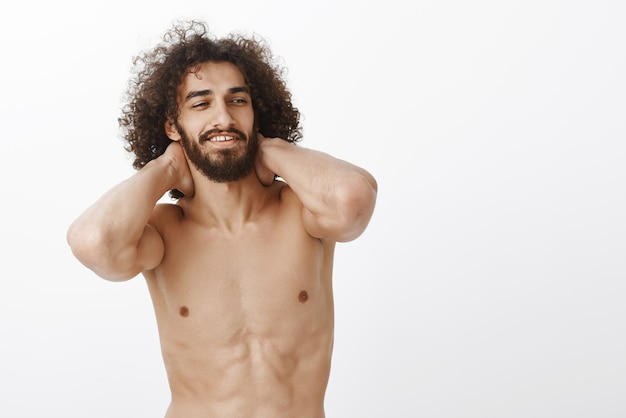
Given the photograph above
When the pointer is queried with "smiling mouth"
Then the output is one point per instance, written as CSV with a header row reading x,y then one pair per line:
x,y
222,138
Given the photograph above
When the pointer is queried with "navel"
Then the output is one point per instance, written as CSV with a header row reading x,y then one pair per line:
x,y
184,311
303,296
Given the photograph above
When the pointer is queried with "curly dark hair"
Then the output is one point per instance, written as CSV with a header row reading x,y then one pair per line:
x,y
151,93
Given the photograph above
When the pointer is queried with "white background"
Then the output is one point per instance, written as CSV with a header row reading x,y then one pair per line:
x,y
491,281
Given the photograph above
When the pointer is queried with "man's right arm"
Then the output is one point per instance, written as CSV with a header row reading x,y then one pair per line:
x,y
113,237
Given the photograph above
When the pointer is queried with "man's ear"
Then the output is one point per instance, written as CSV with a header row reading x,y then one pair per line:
x,y
171,131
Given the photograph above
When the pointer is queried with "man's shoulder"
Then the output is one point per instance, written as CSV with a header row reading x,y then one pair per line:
x,y
285,193
164,214
291,209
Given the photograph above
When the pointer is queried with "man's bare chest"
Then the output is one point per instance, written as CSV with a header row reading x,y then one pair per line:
x,y
255,274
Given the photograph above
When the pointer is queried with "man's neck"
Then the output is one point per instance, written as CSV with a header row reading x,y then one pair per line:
x,y
227,205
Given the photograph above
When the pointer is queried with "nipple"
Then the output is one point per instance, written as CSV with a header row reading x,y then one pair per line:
x,y
303,296
184,311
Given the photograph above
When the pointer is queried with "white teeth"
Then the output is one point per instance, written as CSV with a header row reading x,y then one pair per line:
x,y
222,138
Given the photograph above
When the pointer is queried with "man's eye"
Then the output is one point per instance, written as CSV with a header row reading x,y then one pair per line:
x,y
200,104
239,100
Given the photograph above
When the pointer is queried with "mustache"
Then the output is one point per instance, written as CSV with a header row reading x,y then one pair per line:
x,y
204,136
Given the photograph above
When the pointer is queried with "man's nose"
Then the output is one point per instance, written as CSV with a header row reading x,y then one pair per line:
x,y
222,118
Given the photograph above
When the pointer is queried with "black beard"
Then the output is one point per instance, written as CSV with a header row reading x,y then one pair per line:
x,y
223,165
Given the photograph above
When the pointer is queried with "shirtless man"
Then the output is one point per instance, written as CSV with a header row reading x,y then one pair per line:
x,y
239,268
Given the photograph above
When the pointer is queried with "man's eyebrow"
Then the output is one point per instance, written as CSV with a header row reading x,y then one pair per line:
x,y
207,92
196,93
242,89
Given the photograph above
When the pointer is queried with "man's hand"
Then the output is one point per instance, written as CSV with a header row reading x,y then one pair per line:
x,y
263,173
178,161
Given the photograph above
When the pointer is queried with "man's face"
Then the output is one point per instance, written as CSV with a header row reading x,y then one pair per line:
x,y
216,122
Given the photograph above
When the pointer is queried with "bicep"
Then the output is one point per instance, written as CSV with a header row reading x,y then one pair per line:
x,y
333,227
150,249
345,218
126,263
342,221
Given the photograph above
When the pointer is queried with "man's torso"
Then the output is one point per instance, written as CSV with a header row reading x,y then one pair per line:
x,y
245,317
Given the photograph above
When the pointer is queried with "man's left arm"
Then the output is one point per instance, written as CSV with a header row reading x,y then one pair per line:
x,y
338,198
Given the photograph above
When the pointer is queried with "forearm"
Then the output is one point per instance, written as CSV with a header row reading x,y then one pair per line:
x,y
338,195
106,237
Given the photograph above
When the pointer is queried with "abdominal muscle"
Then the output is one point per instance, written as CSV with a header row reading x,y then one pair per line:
x,y
250,377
